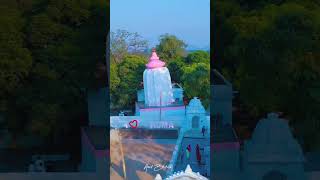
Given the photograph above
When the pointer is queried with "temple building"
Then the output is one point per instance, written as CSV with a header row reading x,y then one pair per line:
x,y
162,116
159,94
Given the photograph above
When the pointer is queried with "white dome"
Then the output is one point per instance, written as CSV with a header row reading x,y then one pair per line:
x,y
272,130
187,174
272,140
195,106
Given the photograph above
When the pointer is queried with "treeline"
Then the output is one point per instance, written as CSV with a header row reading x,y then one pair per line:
x,y
130,54
270,50
51,51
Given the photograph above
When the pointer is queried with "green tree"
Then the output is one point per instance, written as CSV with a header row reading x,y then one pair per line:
x,y
43,31
170,47
51,51
16,59
196,82
198,57
114,78
131,73
176,69
270,52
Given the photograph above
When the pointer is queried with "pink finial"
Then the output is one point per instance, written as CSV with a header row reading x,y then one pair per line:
x,y
154,61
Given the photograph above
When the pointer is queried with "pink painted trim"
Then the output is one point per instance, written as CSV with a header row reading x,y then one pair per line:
x,y
154,61
225,146
155,64
164,108
97,153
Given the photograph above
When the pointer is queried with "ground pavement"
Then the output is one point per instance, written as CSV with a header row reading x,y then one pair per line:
x,y
193,138
138,154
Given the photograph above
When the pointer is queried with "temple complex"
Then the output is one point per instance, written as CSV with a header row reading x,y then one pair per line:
x,y
164,124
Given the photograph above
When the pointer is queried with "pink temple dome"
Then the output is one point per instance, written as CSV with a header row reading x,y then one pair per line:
x,y
154,61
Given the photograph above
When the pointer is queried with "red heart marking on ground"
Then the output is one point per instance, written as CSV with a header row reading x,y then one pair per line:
x,y
133,124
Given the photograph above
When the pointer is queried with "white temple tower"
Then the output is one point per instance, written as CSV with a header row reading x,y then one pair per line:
x,y
157,83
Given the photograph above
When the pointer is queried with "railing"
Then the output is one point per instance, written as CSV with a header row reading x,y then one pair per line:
x,y
175,153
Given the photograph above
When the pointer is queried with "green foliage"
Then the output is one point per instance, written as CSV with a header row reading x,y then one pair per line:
x,y
130,72
15,58
43,31
196,82
50,51
114,78
69,12
176,69
270,51
198,57
170,47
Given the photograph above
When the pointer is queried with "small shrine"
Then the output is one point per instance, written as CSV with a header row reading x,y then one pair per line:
x,y
188,174
272,145
196,115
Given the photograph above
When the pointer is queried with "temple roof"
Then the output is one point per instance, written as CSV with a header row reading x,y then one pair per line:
x,y
154,61
272,141
195,106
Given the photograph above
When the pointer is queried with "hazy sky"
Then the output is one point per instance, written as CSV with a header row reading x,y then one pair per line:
x,y
189,20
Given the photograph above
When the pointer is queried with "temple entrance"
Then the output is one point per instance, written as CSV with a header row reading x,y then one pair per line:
x,y
274,175
195,122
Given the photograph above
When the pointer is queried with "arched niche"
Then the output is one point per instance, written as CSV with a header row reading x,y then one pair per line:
x,y
195,122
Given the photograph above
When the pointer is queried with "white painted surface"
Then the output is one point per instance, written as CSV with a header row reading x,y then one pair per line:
x,y
157,87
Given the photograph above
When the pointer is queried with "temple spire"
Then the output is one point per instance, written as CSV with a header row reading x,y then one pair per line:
x,y
154,61
157,82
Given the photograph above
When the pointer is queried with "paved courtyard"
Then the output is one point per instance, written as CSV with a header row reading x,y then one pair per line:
x,y
141,156
182,161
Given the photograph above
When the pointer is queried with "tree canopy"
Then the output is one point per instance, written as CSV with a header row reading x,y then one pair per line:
x,y
196,82
170,47
130,73
270,51
50,52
